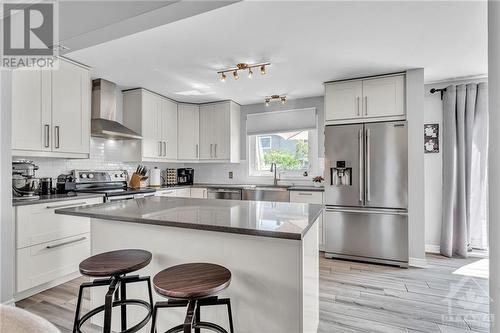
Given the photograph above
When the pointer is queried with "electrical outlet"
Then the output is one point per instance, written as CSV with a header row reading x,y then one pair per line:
x,y
230,175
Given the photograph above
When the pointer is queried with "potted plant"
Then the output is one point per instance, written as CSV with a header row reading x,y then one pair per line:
x,y
318,180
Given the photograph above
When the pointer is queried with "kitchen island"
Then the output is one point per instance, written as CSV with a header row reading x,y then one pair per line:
x,y
270,248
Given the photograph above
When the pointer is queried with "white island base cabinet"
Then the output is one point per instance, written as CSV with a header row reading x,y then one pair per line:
x,y
274,285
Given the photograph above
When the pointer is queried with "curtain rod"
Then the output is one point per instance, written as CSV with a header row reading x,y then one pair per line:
x,y
434,90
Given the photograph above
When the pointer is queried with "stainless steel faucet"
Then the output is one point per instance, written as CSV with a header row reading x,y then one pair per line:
x,y
274,168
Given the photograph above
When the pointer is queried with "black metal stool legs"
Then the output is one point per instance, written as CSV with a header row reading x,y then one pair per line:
x,y
117,286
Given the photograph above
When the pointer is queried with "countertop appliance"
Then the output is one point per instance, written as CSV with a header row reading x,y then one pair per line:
x,y
25,185
155,178
111,183
366,192
65,183
224,193
185,176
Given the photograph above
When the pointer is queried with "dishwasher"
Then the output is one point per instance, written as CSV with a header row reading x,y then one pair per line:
x,y
224,193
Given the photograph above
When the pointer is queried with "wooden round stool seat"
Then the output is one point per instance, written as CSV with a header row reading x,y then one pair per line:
x,y
115,263
192,281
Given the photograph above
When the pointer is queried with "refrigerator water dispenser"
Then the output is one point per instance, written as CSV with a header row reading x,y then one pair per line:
x,y
341,175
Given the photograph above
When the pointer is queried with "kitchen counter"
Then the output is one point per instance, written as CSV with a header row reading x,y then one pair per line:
x,y
243,186
267,219
54,198
271,249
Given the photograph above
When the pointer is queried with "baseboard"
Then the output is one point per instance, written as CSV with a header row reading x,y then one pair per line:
x,y
38,289
432,248
9,302
418,262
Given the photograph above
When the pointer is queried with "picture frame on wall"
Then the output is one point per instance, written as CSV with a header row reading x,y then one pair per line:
x,y
431,138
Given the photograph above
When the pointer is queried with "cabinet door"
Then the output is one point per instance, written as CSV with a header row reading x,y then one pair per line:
x,y
312,197
384,97
70,108
343,100
169,129
206,132
221,131
151,125
31,114
184,192
188,120
199,193
166,193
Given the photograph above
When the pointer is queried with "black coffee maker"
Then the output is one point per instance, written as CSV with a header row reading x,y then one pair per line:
x,y
185,176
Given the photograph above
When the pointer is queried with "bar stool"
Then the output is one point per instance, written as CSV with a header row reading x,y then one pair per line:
x,y
114,265
193,285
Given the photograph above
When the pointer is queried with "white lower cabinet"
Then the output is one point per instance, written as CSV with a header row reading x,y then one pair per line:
x,y
199,193
312,197
184,192
46,262
166,193
49,247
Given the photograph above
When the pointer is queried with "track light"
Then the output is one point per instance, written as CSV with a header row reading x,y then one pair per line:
x,y
281,98
241,67
263,69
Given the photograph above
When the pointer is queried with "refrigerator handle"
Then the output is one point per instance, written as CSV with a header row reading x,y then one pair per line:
x,y
360,166
368,167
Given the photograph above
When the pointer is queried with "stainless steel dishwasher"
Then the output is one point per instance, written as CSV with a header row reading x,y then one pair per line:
x,y
224,193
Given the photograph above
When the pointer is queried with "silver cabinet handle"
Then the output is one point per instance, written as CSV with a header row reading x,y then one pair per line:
x,y
211,156
65,243
360,166
56,134
215,150
47,135
197,151
368,157
159,150
357,99
164,148
366,105
304,193
76,204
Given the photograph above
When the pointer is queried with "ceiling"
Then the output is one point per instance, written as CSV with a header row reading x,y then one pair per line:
x,y
307,43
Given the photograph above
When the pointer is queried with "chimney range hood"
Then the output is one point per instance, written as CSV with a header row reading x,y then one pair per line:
x,y
104,124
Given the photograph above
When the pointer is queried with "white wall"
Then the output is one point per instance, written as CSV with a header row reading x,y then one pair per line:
x,y
433,114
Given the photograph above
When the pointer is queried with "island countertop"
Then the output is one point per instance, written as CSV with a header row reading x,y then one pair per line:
x,y
258,218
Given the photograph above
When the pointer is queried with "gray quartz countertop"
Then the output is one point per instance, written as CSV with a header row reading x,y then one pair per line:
x,y
249,186
267,219
54,198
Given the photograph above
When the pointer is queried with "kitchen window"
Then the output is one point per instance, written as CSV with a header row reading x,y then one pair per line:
x,y
288,138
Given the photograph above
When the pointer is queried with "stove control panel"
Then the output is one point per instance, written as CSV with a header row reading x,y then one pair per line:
x,y
98,176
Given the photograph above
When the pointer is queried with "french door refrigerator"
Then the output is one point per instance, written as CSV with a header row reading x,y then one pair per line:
x,y
366,192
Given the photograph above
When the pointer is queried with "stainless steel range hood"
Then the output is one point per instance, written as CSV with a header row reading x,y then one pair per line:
x,y
104,124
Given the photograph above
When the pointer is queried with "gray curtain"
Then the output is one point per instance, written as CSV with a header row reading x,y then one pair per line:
x,y
464,147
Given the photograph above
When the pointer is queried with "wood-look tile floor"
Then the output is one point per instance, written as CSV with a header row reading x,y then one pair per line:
x,y
356,297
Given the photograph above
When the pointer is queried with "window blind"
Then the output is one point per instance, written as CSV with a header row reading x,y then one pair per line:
x,y
281,121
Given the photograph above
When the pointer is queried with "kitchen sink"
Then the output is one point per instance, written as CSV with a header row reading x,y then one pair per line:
x,y
267,193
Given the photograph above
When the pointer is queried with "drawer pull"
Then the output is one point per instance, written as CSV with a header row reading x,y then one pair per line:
x,y
76,204
65,243
304,193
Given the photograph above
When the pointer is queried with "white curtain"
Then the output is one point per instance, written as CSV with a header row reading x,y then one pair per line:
x,y
465,149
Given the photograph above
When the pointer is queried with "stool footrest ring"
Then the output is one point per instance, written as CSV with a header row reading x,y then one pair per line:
x,y
202,324
99,309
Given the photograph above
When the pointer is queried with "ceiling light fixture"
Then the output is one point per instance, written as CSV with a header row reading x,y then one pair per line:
x,y
268,99
243,66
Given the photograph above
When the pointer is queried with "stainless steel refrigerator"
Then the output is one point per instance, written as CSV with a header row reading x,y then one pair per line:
x,y
366,192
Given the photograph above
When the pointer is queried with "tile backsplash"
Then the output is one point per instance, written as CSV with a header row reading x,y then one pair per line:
x,y
113,154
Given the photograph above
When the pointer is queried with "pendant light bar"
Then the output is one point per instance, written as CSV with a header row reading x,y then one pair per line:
x,y
243,66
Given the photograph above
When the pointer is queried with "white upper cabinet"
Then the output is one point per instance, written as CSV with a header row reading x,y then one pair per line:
x,y
365,100
343,100
155,118
169,129
71,88
220,132
188,136
384,97
51,111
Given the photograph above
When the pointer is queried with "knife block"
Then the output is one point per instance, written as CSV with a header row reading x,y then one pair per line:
x,y
135,180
